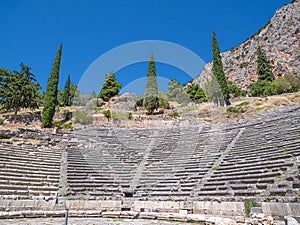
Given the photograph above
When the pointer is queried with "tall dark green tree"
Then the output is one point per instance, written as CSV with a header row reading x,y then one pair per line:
x,y
50,98
66,98
110,87
151,99
263,66
218,76
19,89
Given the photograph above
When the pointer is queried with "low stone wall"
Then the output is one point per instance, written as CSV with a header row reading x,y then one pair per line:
x,y
280,210
26,204
11,207
205,207
157,206
93,205
219,208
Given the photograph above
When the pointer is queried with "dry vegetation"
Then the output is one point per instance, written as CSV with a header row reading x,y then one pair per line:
x,y
240,109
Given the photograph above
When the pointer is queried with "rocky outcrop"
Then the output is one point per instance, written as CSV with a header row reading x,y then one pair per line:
x,y
125,102
280,38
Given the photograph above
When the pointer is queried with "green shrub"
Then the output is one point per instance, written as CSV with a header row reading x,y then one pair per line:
x,y
129,116
67,126
57,124
249,204
139,102
235,90
294,81
1,121
282,85
262,88
163,102
107,114
173,114
232,109
67,115
82,117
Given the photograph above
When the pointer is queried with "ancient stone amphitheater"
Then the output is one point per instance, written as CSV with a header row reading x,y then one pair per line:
x,y
171,173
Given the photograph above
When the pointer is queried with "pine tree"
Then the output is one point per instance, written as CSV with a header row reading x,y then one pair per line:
x,y
196,93
50,98
151,100
66,98
218,76
19,89
110,87
263,66
177,93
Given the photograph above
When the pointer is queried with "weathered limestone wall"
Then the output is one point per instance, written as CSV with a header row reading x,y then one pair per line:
x,y
219,208
282,209
17,205
93,205
196,207
159,206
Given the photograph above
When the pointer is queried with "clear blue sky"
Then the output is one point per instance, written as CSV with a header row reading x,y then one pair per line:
x,y
31,30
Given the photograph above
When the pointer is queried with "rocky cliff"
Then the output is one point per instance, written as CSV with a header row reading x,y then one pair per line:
x,y
280,38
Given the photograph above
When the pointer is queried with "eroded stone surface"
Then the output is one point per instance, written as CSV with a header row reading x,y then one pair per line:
x,y
279,38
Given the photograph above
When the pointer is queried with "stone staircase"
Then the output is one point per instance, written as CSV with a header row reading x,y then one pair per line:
x,y
257,159
28,172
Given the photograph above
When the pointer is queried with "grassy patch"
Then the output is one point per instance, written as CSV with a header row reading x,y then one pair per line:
x,y
216,168
121,116
249,204
118,116
258,103
243,104
173,114
189,109
232,109
67,126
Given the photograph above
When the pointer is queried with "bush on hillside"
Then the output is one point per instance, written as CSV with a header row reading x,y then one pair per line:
x,y
262,88
235,90
82,117
107,114
282,86
294,81
139,102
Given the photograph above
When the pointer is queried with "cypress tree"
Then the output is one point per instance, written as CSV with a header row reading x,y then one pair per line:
x,y
151,100
218,75
263,66
67,92
50,98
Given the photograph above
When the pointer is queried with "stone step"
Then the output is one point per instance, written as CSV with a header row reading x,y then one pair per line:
x,y
30,174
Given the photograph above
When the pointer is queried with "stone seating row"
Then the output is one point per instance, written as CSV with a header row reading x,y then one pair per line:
x,y
28,172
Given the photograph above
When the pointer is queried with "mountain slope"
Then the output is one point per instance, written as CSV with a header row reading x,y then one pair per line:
x,y
280,38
